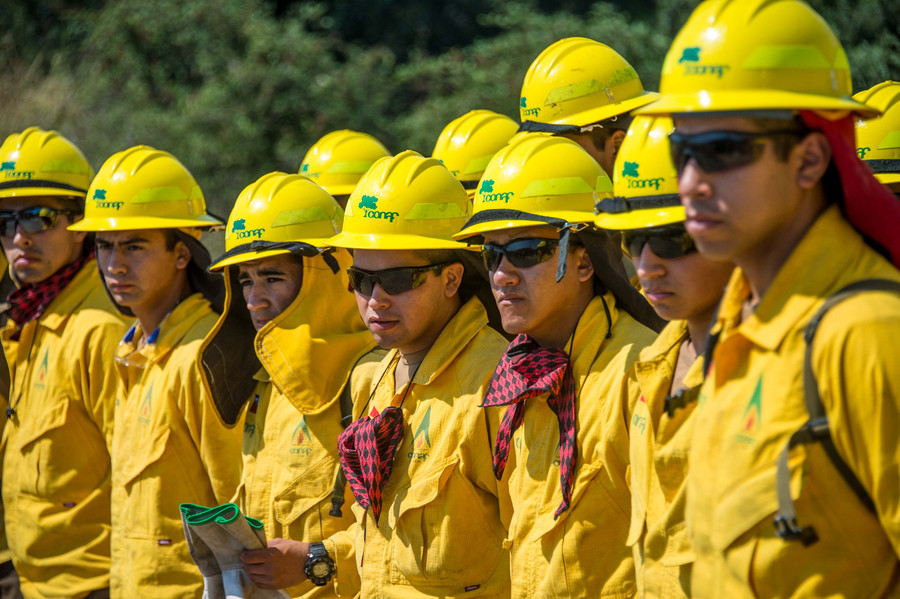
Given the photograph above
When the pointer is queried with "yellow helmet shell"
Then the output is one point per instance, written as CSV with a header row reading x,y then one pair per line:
x,y
541,175
404,202
645,182
279,207
338,160
42,163
878,139
578,81
467,144
747,55
143,188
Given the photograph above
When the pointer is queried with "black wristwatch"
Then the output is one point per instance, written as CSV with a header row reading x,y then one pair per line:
x,y
319,567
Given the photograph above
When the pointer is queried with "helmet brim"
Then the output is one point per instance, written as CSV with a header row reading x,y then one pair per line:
x,y
480,229
138,223
749,100
641,219
362,241
602,113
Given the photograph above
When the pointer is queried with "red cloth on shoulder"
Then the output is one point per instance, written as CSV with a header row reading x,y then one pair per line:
x,y
871,208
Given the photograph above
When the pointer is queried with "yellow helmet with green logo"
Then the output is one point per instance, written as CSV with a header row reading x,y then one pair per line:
x,y
748,55
143,188
42,163
536,180
404,202
276,213
468,143
645,183
578,81
338,160
878,139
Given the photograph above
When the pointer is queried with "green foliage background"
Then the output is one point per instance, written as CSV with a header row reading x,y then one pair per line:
x,y
238,88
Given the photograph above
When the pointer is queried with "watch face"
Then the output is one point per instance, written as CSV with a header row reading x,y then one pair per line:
x,y
321,569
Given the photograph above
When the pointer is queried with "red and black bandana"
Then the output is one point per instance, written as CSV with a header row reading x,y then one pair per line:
x,y
528,370
29,301
367,450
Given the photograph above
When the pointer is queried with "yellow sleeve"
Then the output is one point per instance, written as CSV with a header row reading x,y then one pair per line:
x,y
855,359
342,547
97,379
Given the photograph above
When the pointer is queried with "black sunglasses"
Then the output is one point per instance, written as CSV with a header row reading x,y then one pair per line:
x,y
521,253
671,241
393,280
32,220
722,150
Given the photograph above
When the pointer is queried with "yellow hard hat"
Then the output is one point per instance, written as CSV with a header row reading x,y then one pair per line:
x,y
143,188
749,55
536,180
274,215
404,202
468,143
338,160
577,81
645,183
42,163
878,139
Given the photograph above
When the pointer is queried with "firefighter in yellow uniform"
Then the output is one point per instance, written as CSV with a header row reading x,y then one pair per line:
x,y
583,90
565,380
339,160
58,341
878,139
302,320
170,445
684,288
467,144
430,516
793,488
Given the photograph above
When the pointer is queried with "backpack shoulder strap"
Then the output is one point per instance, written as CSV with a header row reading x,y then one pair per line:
x,y
817,429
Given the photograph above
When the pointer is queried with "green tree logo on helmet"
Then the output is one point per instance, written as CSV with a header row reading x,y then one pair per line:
x,y
368,203
487,186
239,225
690,55
523,102
630,169
8,166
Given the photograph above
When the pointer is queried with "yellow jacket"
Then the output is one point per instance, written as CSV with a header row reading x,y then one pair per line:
x,y
583,552
441,527
291,426
752,403
56,466
169,447
659,450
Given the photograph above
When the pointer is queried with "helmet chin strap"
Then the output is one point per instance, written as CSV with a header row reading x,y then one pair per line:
x,y
563,253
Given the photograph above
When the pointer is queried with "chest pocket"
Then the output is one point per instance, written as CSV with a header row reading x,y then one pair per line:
x,y
40,438
299,505
434,544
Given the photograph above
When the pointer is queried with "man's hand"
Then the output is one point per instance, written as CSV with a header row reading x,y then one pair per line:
x,y
280,565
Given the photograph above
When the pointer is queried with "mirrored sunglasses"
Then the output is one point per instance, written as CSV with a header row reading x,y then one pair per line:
x,y
32,220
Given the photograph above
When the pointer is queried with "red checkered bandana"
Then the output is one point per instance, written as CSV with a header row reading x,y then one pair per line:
x,y
528,370
367,449
29,301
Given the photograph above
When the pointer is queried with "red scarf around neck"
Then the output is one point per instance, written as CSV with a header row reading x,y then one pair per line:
x,y
30,300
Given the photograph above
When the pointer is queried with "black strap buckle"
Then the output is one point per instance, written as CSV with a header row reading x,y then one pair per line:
x,y
787,529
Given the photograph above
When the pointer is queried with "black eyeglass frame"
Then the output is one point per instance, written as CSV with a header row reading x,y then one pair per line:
x,y
667,241
746,147
417,277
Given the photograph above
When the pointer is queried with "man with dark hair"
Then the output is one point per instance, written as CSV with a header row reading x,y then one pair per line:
x,y
793,488
59,339
430,516
564,381
170,445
